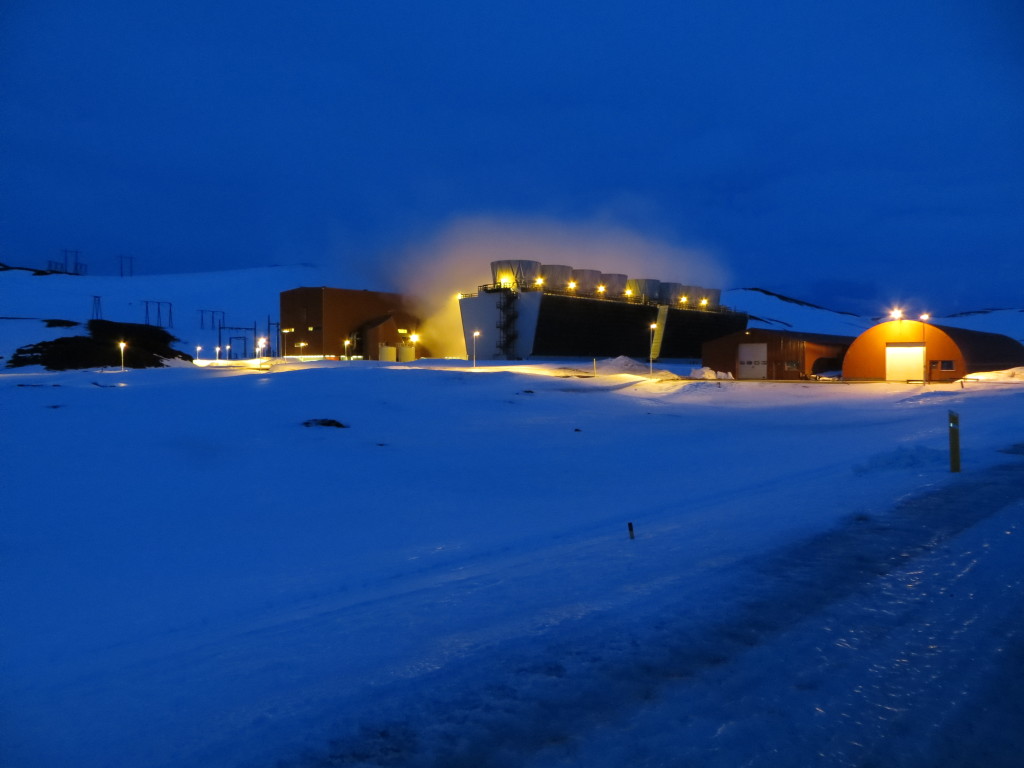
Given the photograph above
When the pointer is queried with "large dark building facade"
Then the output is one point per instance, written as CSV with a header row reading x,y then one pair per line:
x,y
532,310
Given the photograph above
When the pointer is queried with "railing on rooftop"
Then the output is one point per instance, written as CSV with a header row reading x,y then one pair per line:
x,y
577,294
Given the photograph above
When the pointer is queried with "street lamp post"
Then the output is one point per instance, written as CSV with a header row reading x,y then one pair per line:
x,y
347,355
414,337
122,345
259,350
653,327
227,351
476,335
216,353
198,350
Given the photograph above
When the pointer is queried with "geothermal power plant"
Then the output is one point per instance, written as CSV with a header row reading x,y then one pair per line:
x,y
534,310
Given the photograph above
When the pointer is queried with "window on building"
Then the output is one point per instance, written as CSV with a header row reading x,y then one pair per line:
x,y
792,365
946,365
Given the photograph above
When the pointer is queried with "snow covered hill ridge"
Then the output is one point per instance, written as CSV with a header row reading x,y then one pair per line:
x,y
188,305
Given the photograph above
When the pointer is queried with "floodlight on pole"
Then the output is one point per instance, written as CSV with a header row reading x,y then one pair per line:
x,y
476,335
653,328
227,351
347,342
122,345
216,353
198,350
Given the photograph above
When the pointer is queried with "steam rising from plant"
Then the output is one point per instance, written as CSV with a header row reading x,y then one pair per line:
x,y
458,258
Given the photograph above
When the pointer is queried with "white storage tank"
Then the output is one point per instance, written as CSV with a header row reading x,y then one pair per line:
x,y
643,288
515,273
587,280
386,353
614,284
406,353
556,276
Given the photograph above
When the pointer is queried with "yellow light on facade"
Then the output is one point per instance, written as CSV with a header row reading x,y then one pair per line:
x,y
414,337
539,281
703,302
572,285
683,299
600,289
629,292
458,295
505,280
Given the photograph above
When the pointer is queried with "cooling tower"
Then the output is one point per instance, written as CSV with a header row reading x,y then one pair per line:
x,y
515,273
587,280
670,293
614,285
644,289
556,276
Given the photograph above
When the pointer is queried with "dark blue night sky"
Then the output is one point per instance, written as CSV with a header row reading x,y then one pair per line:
x,y
852,154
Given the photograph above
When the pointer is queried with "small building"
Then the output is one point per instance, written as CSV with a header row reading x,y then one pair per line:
x,y
338,322
911,350
760,353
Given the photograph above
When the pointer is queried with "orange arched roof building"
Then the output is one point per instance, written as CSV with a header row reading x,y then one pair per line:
x,y
910,350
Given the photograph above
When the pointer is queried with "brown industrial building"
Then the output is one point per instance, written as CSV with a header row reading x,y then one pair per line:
x,y
910,350
759,353
337,322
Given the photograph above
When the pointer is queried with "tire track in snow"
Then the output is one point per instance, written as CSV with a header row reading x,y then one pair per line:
x,y
813,611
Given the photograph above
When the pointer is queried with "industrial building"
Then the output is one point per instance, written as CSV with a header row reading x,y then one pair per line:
x,y
913,350
337,322
759,353
533,310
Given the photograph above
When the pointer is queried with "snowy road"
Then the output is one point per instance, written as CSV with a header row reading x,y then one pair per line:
x,y
893,640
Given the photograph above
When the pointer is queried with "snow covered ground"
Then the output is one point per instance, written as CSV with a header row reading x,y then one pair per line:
x,y
192,576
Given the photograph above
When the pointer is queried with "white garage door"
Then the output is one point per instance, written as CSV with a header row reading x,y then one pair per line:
x,y
904,362
752,361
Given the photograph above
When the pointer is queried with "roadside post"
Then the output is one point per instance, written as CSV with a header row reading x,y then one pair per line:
x,y
954,441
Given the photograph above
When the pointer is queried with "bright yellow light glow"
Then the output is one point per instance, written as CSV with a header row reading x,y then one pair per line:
x,y
476,334
896,314
703,302
539,281
122,345
600,289
654,326
629,292
458,295
572,285
505,279
414,338
926,316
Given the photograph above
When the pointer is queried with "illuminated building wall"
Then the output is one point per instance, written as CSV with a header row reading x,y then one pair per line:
x,y
910,350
